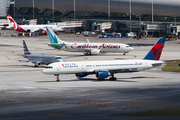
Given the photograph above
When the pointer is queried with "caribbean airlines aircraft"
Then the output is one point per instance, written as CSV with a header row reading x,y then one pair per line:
x,y
38,59
104,69
31,28
86,48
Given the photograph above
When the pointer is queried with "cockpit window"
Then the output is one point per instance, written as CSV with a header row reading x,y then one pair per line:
x,y
48,67
58,58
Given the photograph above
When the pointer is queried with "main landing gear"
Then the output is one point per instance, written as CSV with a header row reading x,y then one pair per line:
x,y
87,53
112,77
57,77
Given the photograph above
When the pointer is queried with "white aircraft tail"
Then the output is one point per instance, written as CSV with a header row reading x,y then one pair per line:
x,y
11,22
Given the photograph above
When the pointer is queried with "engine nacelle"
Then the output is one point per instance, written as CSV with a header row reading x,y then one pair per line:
x,y
81,74
102,74
28,30
95,52
37,64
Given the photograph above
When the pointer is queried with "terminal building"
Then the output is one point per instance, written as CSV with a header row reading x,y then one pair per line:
x,y
125,15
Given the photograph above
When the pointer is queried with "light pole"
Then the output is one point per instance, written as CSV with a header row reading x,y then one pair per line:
x,y
109,10
140,19
14,8
152,12
74,13
175,21
53,10
130,13
33,9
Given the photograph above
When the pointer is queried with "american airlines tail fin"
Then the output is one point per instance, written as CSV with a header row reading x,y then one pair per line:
x,y
11,22
155,52
26,51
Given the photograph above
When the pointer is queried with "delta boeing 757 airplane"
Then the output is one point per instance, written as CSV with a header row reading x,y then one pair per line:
x,y
38,59
87,48
104,69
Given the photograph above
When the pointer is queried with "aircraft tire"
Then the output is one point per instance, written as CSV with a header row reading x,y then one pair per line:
x,y
112,79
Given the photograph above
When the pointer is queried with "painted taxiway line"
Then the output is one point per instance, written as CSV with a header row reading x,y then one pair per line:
x,y
110,109
114,105
144,102
1,92
20,70
84,101
15,85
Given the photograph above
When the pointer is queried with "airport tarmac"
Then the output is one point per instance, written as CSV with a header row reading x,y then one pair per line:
x,y
27,93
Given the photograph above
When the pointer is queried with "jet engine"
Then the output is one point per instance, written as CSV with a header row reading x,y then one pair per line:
x,y
81,74
102,74
37,64
95,52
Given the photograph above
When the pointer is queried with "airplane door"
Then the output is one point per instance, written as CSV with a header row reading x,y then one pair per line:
x,y
83,66
146,64
58,68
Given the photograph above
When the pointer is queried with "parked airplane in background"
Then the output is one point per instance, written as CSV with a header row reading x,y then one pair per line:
x,y
87,48
104,69
38,59
31,28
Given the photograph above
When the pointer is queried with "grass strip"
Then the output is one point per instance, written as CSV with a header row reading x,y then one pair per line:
x,y
172,66
159,112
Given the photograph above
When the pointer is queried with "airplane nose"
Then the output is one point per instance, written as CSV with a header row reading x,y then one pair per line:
x,y
44,71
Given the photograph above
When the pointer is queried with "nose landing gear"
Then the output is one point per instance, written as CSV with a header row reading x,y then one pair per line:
x,y
57,77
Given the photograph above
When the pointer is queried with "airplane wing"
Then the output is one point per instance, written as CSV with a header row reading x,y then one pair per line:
x,y
37,30
67,57
18,59
123,70
120,70
34,29
23,60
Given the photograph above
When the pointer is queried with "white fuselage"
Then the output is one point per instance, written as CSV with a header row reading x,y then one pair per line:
x,y
88,47
97,48
114,66
33,28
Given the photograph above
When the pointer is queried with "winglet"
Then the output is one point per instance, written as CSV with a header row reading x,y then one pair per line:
x,y
88,41
67,57
155,52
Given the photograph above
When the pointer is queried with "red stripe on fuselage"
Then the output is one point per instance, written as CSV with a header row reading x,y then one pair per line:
x,y
20,29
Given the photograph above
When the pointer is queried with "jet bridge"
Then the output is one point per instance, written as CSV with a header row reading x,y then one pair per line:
x,y
153,30
101,26
71,24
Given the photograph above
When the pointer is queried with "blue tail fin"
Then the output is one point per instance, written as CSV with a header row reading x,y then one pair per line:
x,y
155,52
26,51
52,36
55,42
